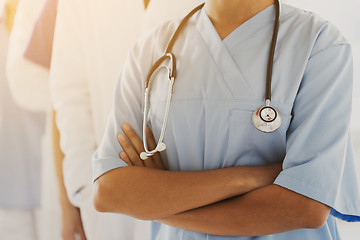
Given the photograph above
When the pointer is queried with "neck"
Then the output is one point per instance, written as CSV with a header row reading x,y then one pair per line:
x,y
227,15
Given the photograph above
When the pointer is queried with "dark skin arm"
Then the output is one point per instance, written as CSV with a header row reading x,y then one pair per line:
x,y
266,210
126,190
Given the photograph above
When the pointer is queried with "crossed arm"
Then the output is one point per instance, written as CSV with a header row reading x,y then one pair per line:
x,y
236,201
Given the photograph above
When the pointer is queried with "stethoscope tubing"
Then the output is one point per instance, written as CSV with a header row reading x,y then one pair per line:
x,y
160,146
172,75
272,51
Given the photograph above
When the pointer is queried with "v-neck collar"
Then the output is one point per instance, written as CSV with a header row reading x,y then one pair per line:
x,y
252,25
230,71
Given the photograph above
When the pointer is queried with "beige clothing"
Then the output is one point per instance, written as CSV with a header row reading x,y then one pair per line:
x,y
91,42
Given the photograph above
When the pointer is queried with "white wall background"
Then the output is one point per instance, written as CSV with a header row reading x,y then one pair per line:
x,y
345,15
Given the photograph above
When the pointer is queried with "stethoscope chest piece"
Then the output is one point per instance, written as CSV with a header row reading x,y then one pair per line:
x,y
266,119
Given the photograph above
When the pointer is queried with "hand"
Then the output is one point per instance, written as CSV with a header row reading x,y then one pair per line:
x,y
133,146
72,227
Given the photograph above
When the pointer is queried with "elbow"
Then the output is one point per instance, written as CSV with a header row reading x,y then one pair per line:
x,y
99,205
104,200
316,222
316,216
99,198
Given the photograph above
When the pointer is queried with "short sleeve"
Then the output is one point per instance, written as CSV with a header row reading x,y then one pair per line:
x,y
129,96
127,108
319,163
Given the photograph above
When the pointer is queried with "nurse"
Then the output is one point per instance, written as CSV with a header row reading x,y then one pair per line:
x,y
219,180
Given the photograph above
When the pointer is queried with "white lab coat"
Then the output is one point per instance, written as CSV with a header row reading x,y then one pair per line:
x,y
29,82
90,44
20,135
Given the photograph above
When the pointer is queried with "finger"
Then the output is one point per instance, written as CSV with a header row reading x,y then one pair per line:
x,y
135,140
82,233
137,143
149,162
123,156
152,145
129,150
68,236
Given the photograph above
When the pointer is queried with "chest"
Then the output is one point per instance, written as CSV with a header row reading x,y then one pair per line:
x,y
216,91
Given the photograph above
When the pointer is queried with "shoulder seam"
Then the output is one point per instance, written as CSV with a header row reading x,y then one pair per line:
x,y
331,46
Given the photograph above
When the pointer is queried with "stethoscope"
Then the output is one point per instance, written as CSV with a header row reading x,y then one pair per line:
x,y
266,118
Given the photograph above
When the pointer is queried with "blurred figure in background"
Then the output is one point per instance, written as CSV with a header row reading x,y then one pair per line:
x,y
90,43
28,64
20,148
39,50
71,225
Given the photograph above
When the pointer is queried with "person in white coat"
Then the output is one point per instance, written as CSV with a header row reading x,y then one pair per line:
x,y
20,148
28,74
34,96
90,43
29,85
31,51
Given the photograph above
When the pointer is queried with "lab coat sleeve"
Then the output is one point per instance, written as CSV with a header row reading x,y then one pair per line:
x,y
29,82
319,162
70,98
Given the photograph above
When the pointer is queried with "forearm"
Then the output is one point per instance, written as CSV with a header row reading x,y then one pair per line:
x,y
267,210
152,194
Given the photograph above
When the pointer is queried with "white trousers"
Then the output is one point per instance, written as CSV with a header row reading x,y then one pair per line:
x,y
18,224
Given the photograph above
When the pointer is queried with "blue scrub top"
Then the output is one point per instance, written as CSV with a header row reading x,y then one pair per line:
x,y
220,83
